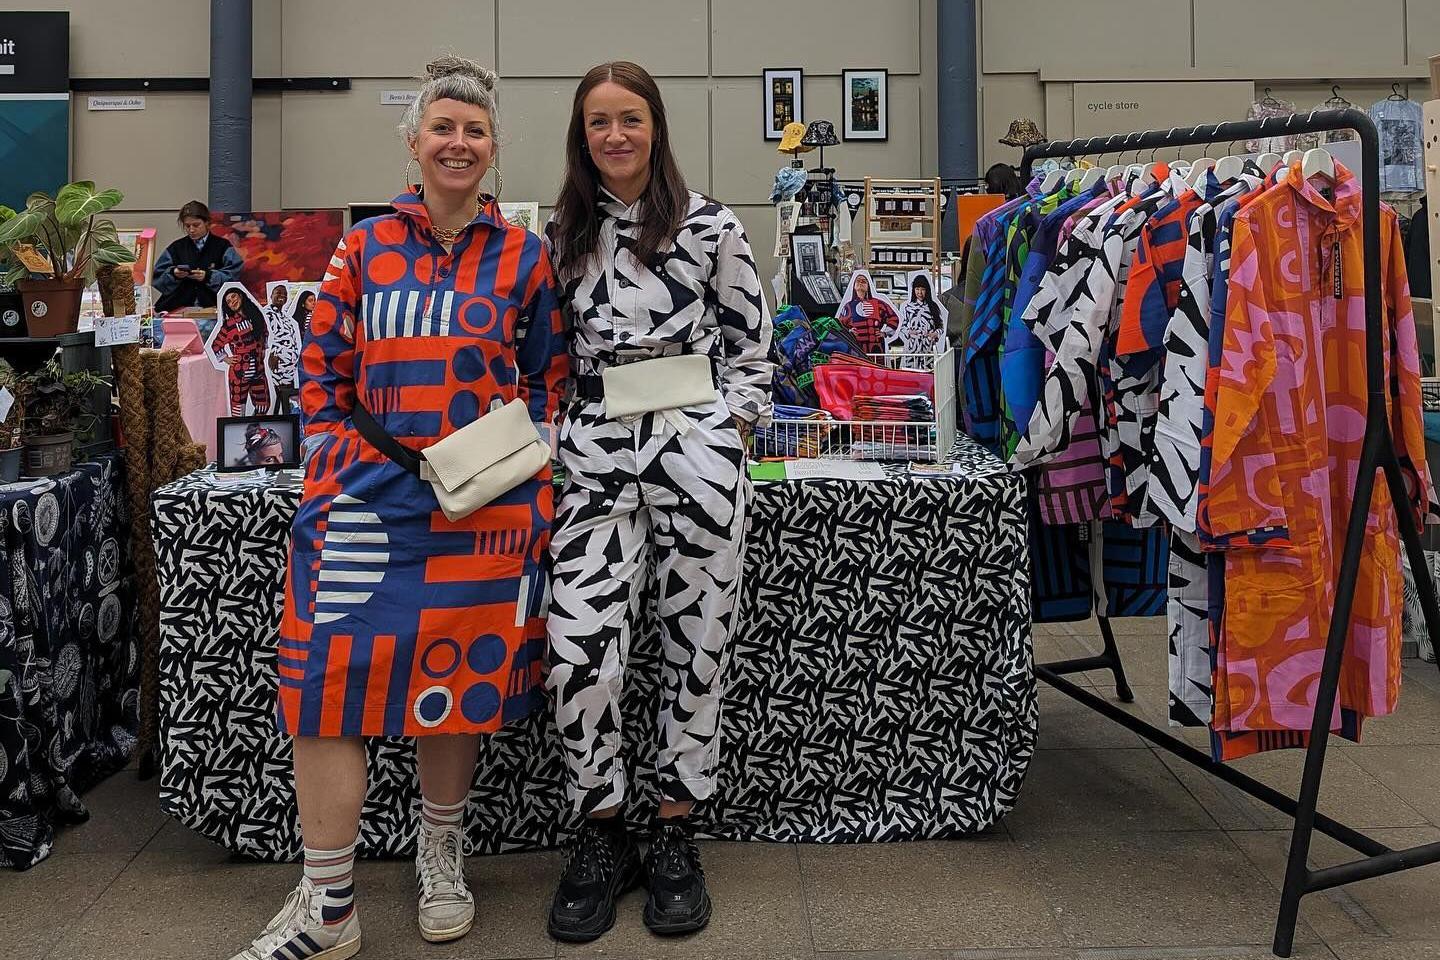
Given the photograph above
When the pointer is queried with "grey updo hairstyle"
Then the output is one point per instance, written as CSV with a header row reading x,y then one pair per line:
x,y
453,78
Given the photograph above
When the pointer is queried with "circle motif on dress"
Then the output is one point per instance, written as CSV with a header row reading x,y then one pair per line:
x,y
481,702
21,516
109,561
67,671
433,706
87,620
487,654
464,408
440,659
109,617
469,364
47,518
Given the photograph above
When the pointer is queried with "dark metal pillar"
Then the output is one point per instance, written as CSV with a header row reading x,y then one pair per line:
x,y
231,30
957,96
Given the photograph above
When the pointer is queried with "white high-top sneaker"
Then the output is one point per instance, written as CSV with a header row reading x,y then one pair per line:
x,y
447,908
299,931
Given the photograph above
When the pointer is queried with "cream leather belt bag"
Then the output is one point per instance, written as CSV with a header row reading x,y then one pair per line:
x,y
475,464
662,385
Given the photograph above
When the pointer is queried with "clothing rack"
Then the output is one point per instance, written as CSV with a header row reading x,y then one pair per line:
x,y
1378,453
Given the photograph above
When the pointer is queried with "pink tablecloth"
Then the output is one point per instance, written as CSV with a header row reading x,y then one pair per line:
x,y
203,391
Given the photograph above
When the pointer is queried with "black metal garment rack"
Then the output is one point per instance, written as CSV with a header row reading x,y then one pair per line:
x,y
1378,453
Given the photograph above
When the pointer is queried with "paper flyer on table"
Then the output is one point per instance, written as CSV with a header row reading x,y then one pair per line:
x,y
833,470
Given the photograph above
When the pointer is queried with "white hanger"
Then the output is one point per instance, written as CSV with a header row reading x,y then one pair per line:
x,y
1267,162
1291,156
1090,178
1051,181
1073,175
1198,169
1229,168
1317,162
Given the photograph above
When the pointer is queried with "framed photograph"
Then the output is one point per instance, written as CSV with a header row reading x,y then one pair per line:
x,y
821,288
522,213
787,212
807,251
784,100
248,443
866,106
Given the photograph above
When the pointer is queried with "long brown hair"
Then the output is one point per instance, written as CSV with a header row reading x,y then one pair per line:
x,y
664,203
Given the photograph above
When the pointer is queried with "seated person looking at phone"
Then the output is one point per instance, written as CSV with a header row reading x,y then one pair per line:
x,y
192,270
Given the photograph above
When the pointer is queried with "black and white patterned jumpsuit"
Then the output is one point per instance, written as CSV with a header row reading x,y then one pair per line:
x,y
668,486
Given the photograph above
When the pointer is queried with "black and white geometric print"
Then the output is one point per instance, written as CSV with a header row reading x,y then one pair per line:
x,y
703,296
69,651
644,506
879,685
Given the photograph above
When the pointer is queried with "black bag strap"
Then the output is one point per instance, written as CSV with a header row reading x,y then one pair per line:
x,y
378,438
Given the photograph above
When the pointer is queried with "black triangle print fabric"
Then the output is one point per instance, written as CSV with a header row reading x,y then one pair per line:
x,y
880,682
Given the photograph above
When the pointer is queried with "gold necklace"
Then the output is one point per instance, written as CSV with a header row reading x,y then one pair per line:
x,y
448,236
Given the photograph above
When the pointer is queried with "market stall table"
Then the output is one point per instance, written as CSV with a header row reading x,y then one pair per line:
x,y
69,651
880,684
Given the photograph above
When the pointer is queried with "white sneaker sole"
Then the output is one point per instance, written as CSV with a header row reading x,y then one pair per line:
x,y
341,951
445,936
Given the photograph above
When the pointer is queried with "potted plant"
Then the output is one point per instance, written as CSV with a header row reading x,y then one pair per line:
x,y
10,449
57,406
56,243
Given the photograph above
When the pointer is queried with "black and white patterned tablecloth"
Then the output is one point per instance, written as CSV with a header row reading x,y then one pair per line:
x,y
69,651
880,687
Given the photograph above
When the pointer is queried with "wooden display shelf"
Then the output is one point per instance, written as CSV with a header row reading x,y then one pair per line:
x,y
927,194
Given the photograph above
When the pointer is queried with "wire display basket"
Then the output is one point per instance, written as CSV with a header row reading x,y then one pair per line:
x,y
823,437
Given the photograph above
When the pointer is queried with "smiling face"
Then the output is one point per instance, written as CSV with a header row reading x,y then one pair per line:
x,y
455,147
619,133
233,301
279,296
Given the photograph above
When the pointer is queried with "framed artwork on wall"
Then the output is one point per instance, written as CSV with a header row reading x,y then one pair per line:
x,y
784,100
867,113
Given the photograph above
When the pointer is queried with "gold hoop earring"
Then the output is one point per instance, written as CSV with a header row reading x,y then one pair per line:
x,y
410,184
499,180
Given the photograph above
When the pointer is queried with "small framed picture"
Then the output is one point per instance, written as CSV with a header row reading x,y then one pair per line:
x,y
807,251
784,100
786,213
248,443
866,106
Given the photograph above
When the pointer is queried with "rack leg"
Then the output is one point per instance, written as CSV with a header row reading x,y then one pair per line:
x,y
1112,656
1414,551
1297,871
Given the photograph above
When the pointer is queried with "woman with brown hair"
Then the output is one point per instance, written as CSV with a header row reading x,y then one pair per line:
x,y
670,340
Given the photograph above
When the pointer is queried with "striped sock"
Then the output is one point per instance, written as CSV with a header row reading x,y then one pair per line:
x,y
333,874
440,817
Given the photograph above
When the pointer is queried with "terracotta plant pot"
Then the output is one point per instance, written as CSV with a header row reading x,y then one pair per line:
x,y
52,307
10,464
49,455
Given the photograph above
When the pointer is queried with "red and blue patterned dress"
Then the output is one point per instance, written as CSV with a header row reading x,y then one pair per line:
x,y
397,621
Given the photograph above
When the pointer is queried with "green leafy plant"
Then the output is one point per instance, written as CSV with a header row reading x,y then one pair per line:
x,y
57,402
7,261
68,230
10,426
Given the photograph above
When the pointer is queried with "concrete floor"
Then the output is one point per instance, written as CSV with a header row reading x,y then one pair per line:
x,y
1115,851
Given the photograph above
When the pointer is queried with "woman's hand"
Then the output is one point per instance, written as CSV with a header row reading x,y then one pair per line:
x,y
197,275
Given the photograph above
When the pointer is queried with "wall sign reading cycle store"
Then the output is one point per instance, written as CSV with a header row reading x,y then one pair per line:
x,y
34,104
1120,107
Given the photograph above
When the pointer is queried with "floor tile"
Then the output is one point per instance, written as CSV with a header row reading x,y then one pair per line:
x,y
759,911
1401,906
1348,793
1416,719
1387,950
959,894
40,905
1066,724
124,816
1103,791
1156,890
1411,772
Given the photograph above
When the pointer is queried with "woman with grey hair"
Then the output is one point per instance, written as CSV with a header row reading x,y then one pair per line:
x,y
412,611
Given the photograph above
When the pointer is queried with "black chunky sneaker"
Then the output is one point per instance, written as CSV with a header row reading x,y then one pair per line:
x,y
603,864
678,902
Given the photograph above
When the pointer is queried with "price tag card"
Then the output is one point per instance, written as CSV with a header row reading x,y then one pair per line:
x,y
115,331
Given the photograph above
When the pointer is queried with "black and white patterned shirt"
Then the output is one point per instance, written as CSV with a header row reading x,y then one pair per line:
x,y
703,297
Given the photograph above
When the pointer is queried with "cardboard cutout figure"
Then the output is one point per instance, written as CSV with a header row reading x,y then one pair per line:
x,y
237,345
870,316
922,320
